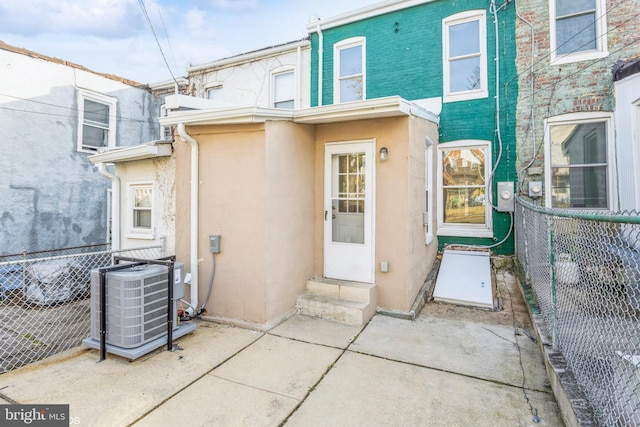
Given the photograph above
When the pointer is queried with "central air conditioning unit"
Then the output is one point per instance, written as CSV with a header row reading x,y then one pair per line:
x,y
136,309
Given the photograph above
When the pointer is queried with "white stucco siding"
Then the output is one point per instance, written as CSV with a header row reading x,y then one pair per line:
x,y
51,195
250,82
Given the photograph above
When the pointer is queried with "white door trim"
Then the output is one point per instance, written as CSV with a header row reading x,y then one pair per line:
x,y
347,261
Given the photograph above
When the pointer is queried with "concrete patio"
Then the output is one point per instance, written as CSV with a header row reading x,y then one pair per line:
x,y
452,366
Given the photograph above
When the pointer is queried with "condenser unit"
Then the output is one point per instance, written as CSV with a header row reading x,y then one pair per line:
x,y
136,309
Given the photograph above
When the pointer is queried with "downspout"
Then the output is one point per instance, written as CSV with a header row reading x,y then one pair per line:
x,y
299,79
194,217
115,205
320,55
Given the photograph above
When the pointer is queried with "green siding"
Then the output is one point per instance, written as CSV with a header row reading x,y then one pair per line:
x,y
404,58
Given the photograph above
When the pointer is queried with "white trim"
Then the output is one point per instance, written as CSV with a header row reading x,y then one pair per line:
x,y
362,13
137,152
465,230
337,48
337,147
461,18
579,118
250,56
277,72
601,50
139,232
428,184
392,106
109,101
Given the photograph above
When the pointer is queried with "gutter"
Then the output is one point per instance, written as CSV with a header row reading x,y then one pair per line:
x,y
115,205
194,217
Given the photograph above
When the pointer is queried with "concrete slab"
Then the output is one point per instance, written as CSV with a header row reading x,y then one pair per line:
x,y
117,391
279,365
213,401
317,331
475,349
363,390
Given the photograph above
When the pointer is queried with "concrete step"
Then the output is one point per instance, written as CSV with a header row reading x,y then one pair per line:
x,y
347,302
351,291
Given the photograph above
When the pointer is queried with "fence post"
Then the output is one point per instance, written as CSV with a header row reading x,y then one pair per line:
x,y
552,261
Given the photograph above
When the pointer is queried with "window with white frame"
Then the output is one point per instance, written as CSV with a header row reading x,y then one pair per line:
x,y
464,207
141,210
578,30
349,75
465,56
284,89
214,92
577,161
96,121
165,131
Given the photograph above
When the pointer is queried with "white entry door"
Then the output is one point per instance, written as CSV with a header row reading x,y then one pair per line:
x,y
348,211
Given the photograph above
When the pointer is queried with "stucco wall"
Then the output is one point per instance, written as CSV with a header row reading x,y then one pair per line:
x,y
160,172
290,214
400,201
51,195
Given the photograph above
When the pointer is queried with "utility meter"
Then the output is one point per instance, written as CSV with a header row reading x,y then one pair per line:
x,y
506,202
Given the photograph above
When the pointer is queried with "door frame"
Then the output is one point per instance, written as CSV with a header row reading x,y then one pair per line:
x,y
368,146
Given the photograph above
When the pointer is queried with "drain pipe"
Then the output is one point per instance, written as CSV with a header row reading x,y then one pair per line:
x,y
320,62
194,217
115,205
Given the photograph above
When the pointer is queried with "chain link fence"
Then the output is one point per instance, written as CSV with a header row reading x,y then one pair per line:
x,y
45,300
584,271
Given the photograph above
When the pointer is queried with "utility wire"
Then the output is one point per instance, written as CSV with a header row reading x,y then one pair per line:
x,y
548,55
166,34
155,36
71,109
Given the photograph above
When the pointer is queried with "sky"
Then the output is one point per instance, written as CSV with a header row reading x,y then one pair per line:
x,y
114,36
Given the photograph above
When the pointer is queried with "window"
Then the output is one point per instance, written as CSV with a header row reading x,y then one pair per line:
x,y
464,208
96,121
577,161
349,70
214,91
464,53
284,90
578,30
165,131
141,210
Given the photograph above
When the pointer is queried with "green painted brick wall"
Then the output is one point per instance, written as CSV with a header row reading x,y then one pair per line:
x,y
404,58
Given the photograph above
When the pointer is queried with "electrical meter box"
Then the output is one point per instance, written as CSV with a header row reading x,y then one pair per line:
x,y
506,201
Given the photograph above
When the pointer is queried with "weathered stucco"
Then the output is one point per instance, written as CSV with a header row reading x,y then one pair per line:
x,y
51,195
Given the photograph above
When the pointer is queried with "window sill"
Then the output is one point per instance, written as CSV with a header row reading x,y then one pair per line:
x,y
465,96
465,232
578,57
141,235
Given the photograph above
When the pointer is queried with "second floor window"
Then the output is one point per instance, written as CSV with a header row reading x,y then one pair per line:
x,y
349,70
284,90
578,30
465,63
214,92
97,121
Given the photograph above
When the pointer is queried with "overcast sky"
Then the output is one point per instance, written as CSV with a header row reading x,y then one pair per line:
x,y
113,36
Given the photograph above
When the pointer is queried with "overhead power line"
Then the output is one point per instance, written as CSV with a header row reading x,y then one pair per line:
x,y
155,36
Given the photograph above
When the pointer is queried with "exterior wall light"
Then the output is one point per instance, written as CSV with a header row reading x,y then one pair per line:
x,y
383,153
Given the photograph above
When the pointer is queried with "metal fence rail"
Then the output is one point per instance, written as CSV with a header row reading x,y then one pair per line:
x,y
584,271
45,300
